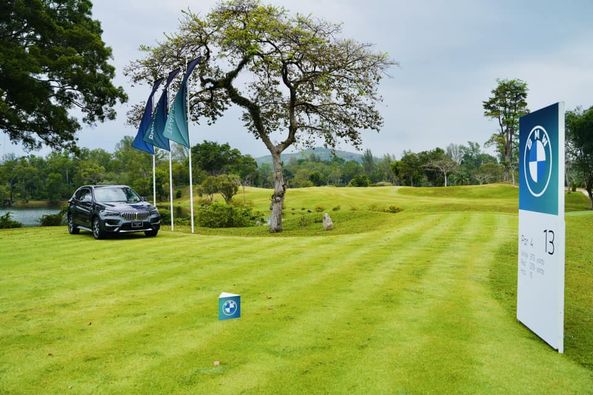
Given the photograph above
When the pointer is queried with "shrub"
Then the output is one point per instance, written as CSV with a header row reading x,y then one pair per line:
x,y
7,222
178,193
319,209
393,209
238,202
337,208
221,215
360,181
52,220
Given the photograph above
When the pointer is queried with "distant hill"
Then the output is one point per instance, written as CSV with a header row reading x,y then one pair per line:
x,y
324,154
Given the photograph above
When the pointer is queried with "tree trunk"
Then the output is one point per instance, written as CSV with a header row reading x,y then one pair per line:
x,y
589,187
445,178
278,195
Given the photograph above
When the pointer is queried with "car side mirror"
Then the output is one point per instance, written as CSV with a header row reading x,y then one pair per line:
x,y
142,198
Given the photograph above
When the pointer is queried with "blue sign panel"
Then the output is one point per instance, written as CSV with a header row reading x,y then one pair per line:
x,y
538,161
229,306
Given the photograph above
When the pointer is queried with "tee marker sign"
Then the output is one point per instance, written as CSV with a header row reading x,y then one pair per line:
x,y
540,279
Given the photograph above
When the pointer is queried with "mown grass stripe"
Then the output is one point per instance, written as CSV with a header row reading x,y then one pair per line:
x,y
109,337
307,312
212,327
314,350
151,263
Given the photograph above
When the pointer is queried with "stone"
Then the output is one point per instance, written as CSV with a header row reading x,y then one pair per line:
x,y
327,222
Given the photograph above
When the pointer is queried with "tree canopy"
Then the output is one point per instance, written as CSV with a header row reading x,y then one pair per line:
x,y
507,104
52,60
579,127
294,78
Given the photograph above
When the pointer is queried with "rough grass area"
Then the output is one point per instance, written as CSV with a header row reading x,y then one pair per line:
x,y
414,302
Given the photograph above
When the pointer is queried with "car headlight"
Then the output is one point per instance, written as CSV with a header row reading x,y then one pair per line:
x,y
108,213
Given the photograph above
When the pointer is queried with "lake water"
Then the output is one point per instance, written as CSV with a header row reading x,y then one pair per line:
x,y
28,216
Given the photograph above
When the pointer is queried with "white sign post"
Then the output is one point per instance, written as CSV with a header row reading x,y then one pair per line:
x,y
540,283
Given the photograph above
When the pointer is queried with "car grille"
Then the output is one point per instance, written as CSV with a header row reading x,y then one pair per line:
x,y
135,215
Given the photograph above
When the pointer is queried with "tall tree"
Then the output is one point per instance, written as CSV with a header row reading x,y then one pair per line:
x,y
507,104
455,152
293,77
579,127
409,168
52,59
368,163
445,165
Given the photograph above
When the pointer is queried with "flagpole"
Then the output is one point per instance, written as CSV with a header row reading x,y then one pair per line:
x,y
154,178
191,193
171,188
191,188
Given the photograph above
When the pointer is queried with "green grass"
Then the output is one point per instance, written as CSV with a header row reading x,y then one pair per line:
x,y
414,302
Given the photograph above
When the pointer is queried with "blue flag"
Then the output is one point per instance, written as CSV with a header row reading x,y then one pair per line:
x,y
139,142
154,135
176,126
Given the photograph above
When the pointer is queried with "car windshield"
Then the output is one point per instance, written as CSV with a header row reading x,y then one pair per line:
x,y
116,194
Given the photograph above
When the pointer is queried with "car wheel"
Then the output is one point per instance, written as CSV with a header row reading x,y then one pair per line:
x,y
97,232
151,233
72,229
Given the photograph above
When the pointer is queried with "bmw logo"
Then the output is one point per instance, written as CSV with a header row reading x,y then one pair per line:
x,y
537,161
229,307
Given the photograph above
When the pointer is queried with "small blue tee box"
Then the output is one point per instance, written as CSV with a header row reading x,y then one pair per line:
x,y
229,306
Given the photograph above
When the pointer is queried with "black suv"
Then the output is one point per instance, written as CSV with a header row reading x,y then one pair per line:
x,y
105,209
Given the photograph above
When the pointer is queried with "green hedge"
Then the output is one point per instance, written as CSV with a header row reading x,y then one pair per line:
x,y
52,220
221,215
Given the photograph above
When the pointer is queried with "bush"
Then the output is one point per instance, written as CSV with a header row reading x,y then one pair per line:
x,y
393,209
221,215
52,220
7,222
319,209
360,181
178,193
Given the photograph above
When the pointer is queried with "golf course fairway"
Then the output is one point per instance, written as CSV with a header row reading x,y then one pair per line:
x,y
414,301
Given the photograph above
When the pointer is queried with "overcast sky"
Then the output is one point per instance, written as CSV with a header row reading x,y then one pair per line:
x,y
450,54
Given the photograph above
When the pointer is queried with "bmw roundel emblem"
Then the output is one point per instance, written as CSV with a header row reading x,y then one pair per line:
x,y
537,161
229,307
